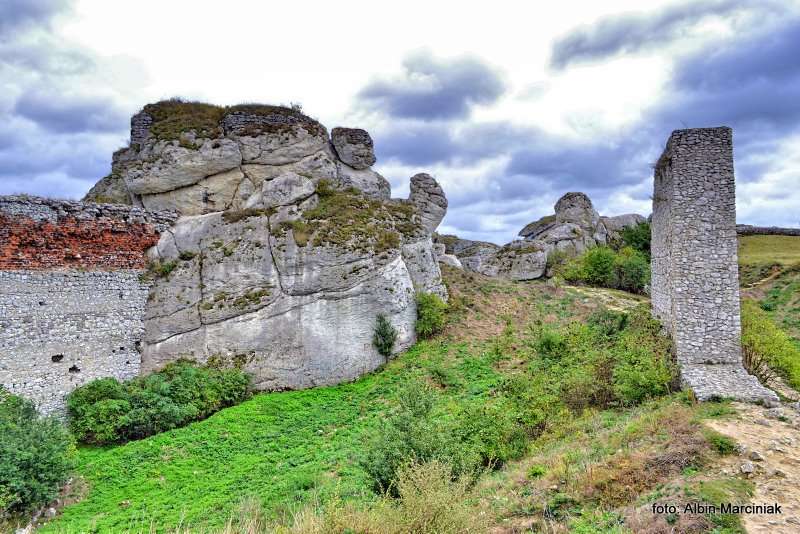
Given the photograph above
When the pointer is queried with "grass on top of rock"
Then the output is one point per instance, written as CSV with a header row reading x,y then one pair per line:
x,y
175,117
353,221
108,411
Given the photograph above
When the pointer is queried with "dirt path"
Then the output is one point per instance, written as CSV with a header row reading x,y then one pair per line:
x,y
769,442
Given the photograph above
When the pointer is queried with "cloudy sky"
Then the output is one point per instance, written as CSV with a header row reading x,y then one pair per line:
x,y
509,104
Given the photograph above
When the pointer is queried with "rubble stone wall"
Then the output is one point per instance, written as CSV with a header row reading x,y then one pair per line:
x,y
72,295
695,283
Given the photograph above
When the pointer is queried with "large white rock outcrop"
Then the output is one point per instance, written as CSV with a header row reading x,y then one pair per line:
x,y
287,249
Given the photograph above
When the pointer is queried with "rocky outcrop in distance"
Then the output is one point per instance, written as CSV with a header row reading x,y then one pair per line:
x,y
288,246
573,228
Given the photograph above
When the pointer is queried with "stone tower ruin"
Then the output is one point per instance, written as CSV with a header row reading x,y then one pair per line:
x,y
695,283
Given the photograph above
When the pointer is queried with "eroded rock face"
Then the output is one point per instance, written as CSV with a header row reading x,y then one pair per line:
x,y
354,147
615,225
286,252
428,196
576,208
198,159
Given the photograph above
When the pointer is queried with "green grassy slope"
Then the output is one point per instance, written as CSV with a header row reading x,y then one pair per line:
x,y
762,255
770,266
291,450
280,447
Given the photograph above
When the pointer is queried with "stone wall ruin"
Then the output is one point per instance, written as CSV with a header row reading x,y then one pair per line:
x,y
72,298
695,281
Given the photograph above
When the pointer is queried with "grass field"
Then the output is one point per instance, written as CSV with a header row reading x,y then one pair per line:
x,y
763,255
771,266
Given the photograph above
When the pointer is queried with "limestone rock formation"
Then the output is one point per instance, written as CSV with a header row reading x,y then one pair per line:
x,y
354,147
287,250
109,190
428,196
615,225
442,256
197,158
574,227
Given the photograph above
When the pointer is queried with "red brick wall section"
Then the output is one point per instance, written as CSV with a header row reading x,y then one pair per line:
x,y
94,244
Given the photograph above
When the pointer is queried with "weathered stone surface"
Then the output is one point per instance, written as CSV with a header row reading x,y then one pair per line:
x,y
423,268
216,193
284,255
165,165
297,315
518,260
536,228
574,228
615,225
288,188
576,208
367,180
111,189
354,147
477,255
428,196
72,295
695,282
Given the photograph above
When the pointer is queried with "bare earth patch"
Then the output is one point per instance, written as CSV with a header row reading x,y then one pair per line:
x,y
769,443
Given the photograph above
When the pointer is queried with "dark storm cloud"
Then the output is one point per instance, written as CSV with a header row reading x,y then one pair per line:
x,y
629,33
18,14
69,114
431,88
752,85
60,117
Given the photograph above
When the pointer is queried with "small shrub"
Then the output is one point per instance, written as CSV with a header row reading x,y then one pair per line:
x,y
413,434
107,411
536,471
599,267
431,310
722,444
638,238
767,345
609,323
384,337
36,456
632,271
627,269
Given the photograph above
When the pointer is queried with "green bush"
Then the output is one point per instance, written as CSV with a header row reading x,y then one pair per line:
x,y
628,269
599,267
36,456
638,238
465,437
384,337
612,359
632,270
431,316
763,340
107,411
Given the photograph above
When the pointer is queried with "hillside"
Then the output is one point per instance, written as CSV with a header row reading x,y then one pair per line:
x,y
297,458
770,267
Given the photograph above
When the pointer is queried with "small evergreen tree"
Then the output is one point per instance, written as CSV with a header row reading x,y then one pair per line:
x,y
384,337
